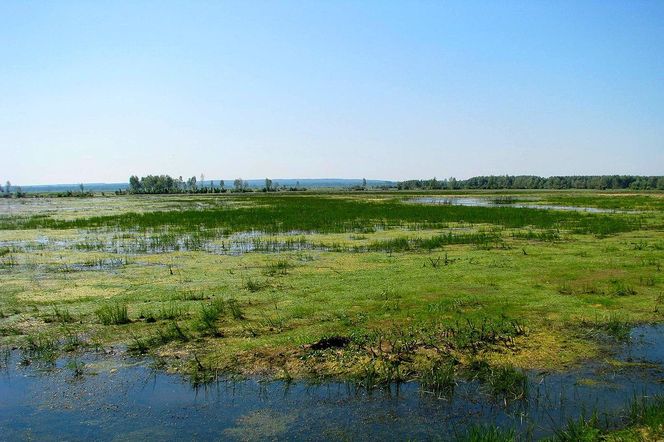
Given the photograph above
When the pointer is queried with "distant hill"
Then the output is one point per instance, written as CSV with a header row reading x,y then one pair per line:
x,y
309,183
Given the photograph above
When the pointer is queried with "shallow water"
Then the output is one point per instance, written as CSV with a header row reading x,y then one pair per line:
x,y
118,398
487,202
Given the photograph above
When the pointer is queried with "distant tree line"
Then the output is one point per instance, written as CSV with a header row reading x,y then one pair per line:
x,y
598,182
159,184
8,191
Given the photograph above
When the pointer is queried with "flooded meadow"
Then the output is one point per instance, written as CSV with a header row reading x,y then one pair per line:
x,y
332,316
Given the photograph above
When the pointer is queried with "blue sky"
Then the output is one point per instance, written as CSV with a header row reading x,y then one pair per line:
x,y
96,91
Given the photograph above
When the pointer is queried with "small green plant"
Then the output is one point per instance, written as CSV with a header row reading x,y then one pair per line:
x,y
77,367
618,328
171,311
438,379
254,285
279,267
138,345
233,307
621,289
113,314
72,341
487,433
580,430
61,315
647,411
506,381
209,314
41,347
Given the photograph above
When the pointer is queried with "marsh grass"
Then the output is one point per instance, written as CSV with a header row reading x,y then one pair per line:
x,y
582,429
646,411
210,313
166,311
481,240
41,347
487,433
543,235
172,332
61,315
200,374
477,335
113,314
72,341
254,285
614,325
279,267
506,381
76,367
456,288
438,379
279,214
622,289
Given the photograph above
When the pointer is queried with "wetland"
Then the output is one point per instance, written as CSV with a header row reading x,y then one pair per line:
x,y
522,315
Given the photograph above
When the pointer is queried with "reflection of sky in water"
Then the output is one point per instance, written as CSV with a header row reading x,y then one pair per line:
x,y
487,202
135,402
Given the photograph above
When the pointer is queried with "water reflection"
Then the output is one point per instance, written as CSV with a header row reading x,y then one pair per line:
x,y
487,202
121,398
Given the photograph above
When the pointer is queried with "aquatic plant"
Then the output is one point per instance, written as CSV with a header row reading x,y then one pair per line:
x,y
76,366
42,347
581,429
208,315
487,433
438,378
279,214
506,381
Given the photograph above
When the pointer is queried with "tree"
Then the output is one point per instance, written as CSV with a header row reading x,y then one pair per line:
x,y
8,187
222,185
191,184
364,183
452,183
134,184
238,184
268,185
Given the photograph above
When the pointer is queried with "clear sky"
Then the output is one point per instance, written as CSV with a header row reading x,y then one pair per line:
x,y
94,91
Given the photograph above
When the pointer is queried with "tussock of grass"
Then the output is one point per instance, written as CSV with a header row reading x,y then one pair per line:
x,y
113,314
438,378
210,313
41,347
506,382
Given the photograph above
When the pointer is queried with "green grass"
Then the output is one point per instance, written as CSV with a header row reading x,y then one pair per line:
x,y
487,433
113,314
407,284
278,214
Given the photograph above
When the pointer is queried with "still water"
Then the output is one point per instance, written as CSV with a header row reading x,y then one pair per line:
x,y
487,202
119,398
